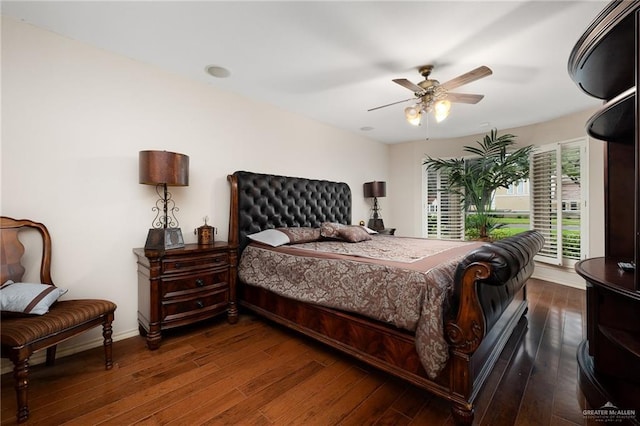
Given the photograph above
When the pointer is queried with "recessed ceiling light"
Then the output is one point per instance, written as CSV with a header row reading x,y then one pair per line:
x,y
216,71
366,128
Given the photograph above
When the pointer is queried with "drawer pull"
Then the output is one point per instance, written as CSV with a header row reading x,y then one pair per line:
x,y
199,282
199,304
178,265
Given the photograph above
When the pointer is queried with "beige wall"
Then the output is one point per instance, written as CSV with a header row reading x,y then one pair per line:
x,y
73,120
404,190
511,202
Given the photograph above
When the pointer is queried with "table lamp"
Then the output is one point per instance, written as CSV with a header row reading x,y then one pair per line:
x,y
162,169
374,190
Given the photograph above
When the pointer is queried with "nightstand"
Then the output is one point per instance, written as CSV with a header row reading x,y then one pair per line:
x,y
181,286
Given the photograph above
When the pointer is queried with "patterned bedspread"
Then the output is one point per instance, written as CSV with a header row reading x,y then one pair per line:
x,y
401,281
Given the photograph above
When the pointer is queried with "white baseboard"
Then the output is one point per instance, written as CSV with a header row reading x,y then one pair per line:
x,y
68,348
559,275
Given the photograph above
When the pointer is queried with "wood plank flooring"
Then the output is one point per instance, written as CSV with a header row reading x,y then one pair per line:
x,y
257,373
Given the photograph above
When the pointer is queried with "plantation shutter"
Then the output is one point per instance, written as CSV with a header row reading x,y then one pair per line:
x,y
558,201
573,202
443,209
544,203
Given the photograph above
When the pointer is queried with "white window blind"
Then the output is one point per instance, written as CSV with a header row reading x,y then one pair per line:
x,y
558,201
444,215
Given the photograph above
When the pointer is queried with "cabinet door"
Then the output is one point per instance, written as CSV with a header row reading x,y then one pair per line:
x,y
620,183
637,156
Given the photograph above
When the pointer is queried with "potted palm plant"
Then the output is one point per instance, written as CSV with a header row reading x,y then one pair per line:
x,y
492,164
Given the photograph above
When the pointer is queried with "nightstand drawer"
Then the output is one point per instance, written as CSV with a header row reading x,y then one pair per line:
x,y
192,263
193,283
180,308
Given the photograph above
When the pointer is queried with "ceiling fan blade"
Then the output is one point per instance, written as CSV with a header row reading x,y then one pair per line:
x,y
409,85
394,103
464,98
466,78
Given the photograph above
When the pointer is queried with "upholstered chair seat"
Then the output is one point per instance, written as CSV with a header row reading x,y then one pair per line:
x,y
63,315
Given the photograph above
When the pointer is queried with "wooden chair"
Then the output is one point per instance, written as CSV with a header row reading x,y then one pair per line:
x,y
21,335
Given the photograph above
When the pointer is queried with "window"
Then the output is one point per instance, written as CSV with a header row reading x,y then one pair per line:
x,y
519,188
444,215
553,201
558,200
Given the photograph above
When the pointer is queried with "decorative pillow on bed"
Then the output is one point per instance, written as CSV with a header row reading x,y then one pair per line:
x,y
281,236
350,233
28,298
271,237
301,234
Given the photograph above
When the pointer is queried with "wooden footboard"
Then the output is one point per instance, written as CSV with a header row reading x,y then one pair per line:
x,y
488,303
489,300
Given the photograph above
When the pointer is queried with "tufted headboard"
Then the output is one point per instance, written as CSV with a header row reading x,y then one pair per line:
x,y
262,201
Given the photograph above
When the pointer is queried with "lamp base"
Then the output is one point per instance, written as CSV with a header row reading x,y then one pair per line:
x,y
376,224
164,239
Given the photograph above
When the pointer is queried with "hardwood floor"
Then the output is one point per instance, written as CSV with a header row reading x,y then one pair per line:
x,y
257,373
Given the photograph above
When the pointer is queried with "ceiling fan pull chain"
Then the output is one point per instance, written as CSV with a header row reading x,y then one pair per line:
x,y
427,138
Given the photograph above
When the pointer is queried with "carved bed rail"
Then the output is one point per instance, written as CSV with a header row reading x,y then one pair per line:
x,y
486,283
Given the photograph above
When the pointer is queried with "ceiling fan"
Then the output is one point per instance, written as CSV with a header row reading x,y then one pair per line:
x,y
430,95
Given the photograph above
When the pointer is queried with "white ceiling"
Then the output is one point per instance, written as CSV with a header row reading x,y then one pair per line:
x,y
333,60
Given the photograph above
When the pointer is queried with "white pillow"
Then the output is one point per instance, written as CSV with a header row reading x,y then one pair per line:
x,y
271,237
369,230
28,298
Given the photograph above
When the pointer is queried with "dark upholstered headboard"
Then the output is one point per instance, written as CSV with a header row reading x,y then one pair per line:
x,y
262,201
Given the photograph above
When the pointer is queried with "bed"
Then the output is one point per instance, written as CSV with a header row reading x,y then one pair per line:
x,y
462,300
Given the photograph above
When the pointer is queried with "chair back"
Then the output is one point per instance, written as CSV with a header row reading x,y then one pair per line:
x,y
12,250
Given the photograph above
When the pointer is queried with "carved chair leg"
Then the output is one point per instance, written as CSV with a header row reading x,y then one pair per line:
x,y
21,377
462,415
107,331
51,355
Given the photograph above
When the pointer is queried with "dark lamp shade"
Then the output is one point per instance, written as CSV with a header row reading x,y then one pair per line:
x,y
163,167
375,189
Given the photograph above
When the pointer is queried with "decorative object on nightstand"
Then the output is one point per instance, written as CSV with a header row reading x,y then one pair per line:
x,y
183,286
162,169
205,233
374,190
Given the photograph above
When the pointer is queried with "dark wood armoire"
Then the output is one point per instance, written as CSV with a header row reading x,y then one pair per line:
x,y
605,63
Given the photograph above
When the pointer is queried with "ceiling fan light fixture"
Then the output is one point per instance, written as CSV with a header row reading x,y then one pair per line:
x,y
413,114
441,110
436,97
